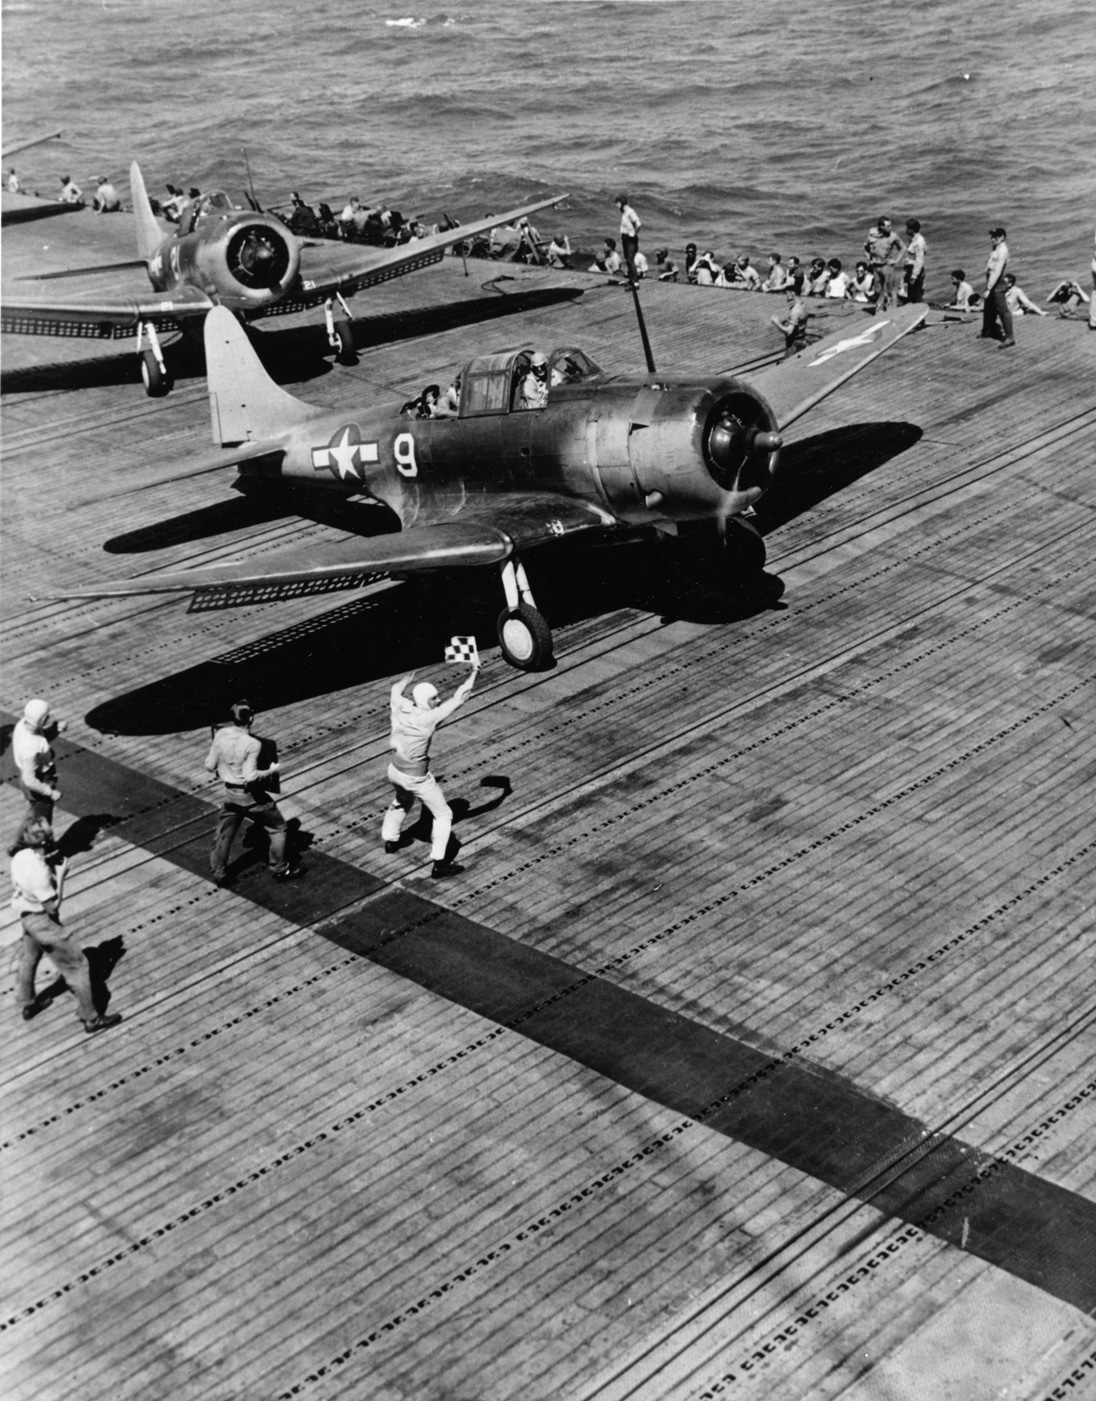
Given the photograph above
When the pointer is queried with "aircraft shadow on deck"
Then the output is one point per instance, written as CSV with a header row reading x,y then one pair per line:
x,y
819,466
242,512
369,639
290,354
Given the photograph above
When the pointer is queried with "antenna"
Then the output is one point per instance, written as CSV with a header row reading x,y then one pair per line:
x,y
633,283
256,206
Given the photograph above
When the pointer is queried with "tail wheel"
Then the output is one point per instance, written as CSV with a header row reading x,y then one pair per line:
x,y
156,379
525,638
343,338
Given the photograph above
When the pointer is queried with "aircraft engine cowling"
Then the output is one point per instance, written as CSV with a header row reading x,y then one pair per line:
x,y
696,452
740,443
249,264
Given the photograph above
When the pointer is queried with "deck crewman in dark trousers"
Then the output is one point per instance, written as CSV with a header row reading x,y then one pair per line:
x,y
234,758
37,880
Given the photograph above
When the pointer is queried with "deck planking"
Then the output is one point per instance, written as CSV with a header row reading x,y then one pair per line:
x,y
763,825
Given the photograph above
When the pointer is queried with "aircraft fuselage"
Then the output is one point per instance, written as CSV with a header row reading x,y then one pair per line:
x,y
653,451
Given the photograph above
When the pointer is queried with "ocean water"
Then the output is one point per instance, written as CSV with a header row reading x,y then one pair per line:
x,y
743,126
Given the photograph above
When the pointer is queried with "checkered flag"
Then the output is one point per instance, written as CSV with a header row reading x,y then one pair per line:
x,y
462,650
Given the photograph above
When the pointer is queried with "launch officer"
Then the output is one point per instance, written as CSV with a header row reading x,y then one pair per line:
x,y
414,720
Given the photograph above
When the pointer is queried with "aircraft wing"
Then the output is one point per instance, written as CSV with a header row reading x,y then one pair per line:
x,y
487,531
797,384
328,267
30,141
110,318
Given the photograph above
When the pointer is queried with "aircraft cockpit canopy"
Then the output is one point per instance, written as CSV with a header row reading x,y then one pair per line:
x,y
490,383
215,202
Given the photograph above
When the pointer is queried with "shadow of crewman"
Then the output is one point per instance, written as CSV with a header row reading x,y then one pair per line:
x,y
420,830
79,836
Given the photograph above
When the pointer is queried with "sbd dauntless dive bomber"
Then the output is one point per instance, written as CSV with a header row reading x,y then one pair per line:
x,y
497,477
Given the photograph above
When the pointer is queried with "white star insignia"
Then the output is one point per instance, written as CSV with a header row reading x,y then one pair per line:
x,y
864,338
345,454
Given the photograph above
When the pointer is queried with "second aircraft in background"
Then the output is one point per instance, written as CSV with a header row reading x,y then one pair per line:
x,y
222,255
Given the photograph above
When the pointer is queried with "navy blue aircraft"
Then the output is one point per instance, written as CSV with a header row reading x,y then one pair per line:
x,y
222,255
527,449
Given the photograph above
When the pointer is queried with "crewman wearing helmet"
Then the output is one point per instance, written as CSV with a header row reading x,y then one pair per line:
x,y
533,393
414,720
34,760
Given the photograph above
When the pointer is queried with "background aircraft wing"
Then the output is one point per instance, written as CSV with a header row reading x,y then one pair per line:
x,y
328,267
18,146
797,384
486,533
39,316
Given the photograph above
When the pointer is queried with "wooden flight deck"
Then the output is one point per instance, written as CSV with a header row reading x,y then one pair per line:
x,y
752,1053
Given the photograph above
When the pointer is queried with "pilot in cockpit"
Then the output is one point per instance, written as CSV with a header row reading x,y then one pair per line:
x,y
449,403
533,393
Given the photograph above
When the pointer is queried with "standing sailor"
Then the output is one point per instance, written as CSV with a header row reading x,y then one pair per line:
x,y
34,759
995,308
234,757
414,721
37,882
630,226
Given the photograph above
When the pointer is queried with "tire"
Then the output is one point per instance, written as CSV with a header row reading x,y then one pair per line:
x,y
344,343
157,382
525,638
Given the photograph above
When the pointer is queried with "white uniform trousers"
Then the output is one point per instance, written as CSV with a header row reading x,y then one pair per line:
x,y
407,789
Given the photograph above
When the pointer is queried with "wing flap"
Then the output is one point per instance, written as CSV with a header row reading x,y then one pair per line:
x,y
797,384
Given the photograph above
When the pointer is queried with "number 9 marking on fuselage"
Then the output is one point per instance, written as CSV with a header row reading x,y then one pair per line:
x,y
403,449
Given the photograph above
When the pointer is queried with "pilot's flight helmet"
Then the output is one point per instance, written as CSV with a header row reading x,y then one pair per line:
x,y
538,359
423,694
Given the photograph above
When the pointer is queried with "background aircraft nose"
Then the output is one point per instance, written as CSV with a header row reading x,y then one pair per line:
x,y
254,254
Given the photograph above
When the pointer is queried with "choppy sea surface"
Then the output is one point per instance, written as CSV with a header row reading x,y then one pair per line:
x,y
744,126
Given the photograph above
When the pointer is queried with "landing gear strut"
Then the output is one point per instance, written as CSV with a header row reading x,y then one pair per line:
x,y
745,551
154,373
340,331
524,634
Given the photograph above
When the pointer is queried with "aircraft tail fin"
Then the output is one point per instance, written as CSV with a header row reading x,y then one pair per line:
x,y
245,404
149,233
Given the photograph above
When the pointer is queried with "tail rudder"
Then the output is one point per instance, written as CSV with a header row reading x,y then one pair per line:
x,y
150,234
245,404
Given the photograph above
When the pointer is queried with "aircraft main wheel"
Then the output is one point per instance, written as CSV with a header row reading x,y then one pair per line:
x,y
157,381
525,638
344,343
